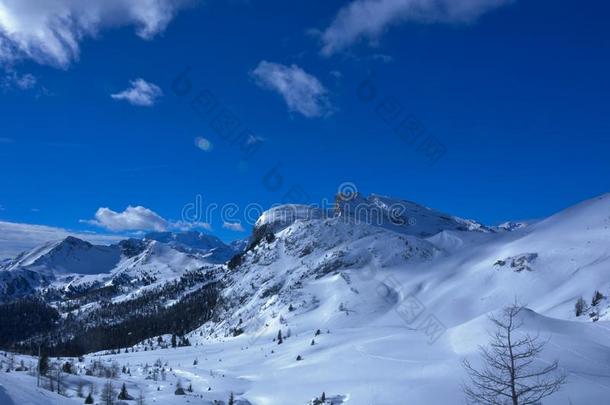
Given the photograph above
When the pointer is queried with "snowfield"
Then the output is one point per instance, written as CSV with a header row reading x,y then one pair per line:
x,y
370,313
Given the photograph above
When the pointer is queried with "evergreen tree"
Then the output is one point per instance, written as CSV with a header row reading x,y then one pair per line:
x,y
231,399
179,389
43,364
580,307
173,340
280,340
597,297
89,399
124,394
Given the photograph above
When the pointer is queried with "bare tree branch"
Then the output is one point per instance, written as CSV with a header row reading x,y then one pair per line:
x,y
508,375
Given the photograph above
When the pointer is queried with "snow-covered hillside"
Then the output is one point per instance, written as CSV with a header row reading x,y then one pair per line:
x,y
72,263
369,311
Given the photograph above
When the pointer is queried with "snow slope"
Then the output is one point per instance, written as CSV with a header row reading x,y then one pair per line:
x,y
342,291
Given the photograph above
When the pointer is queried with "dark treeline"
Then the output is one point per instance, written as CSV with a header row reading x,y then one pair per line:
x,y
187,314
25,318
26,324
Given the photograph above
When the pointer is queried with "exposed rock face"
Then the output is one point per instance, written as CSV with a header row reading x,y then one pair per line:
x,y
518,263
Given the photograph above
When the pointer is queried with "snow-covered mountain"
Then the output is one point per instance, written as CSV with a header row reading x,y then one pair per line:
x,y
216,251
547,265
402,216
70,255
341,286
72,263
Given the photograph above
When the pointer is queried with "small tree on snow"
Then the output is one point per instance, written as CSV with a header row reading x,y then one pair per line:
x,y
179,389
319,401
231,399
108,394
597,298
280,340
580,307
80,385
124,395
508,376
43,364
140,400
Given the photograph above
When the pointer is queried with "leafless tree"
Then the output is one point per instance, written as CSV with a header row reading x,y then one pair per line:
x,y
108,394
509,375
80,388
11,361
59,378
140,399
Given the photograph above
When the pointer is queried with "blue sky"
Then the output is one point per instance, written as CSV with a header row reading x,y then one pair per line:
x,y
514,92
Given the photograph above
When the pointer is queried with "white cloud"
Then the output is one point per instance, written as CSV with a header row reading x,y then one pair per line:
x,y
140,93
233,226
203,144
13,79
140,219
132,219
302,92
16,238
50,31
368,19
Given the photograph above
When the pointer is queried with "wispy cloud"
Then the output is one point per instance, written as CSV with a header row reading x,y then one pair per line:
x,y
302,92
17,237
14,80
50,31
140,93
233,226
368,19
187,226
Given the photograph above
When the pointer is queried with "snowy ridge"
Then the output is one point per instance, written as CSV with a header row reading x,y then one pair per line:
x,y
72,263
335,285
402,216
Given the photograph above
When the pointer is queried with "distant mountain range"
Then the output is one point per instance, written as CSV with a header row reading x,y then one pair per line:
x,y
73,262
